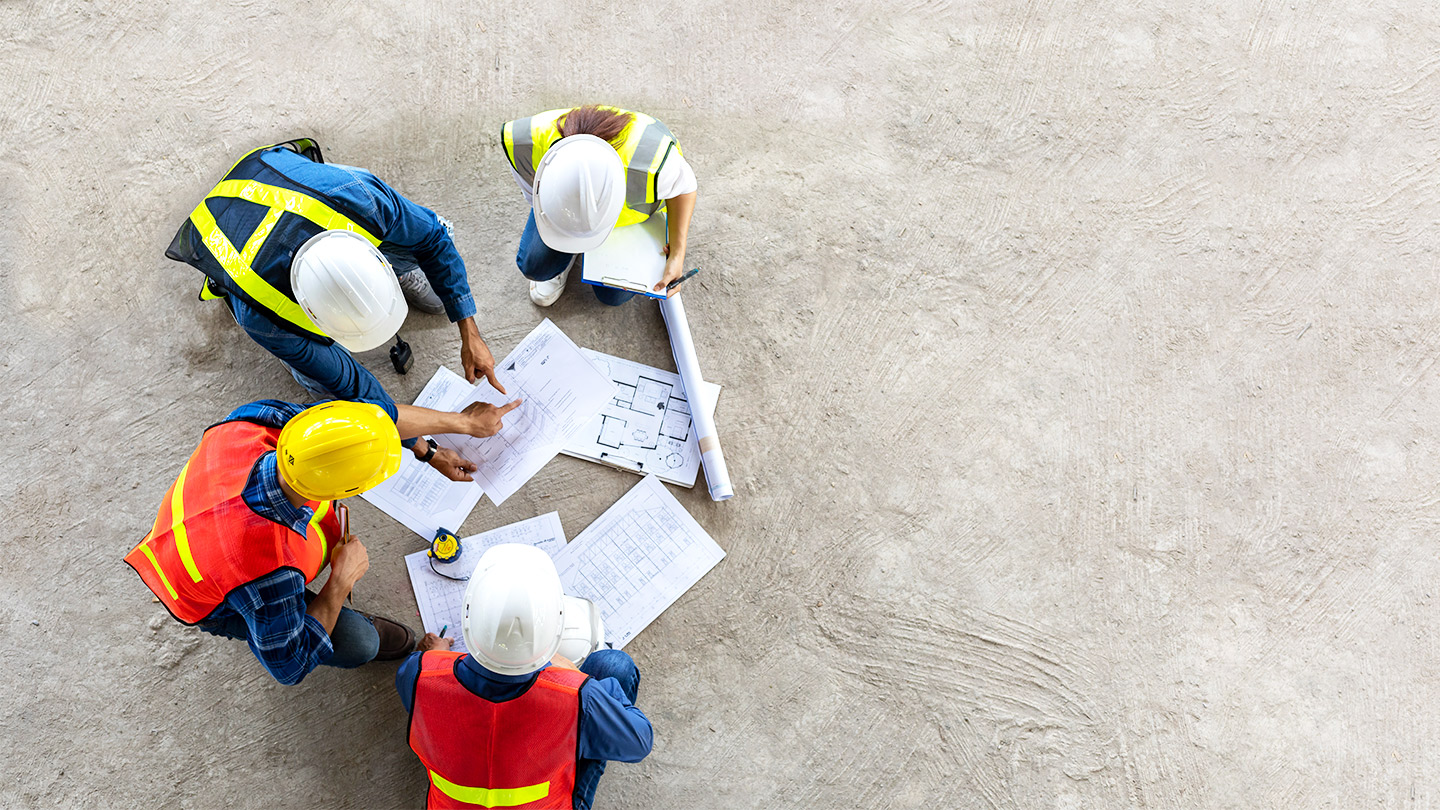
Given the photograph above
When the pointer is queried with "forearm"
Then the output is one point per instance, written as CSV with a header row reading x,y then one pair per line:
x,y
678,211
412,421
468,330
325,608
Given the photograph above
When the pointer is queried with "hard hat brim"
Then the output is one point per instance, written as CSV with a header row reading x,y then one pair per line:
x,y
556,240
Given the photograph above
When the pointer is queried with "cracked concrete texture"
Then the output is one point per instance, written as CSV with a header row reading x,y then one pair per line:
x,y
1079,391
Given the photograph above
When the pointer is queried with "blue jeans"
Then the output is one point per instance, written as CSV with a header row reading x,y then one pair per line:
x,y
354,638
600,665
540,262
327,372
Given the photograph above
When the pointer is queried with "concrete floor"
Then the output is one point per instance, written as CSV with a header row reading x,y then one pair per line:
x,y
1079,391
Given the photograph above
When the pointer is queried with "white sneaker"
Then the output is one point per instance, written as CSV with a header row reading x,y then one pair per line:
x,y
420,294
545,293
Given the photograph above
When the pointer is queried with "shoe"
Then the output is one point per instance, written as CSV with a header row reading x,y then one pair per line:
x,y
545,293
396,640
419,294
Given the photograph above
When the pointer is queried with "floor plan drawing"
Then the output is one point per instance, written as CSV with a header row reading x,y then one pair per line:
x,y
645,427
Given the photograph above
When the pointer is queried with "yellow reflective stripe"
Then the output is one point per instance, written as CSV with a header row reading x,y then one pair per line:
x,y
262,232
488,797
177,527
320,513
150,555
241,273
293,202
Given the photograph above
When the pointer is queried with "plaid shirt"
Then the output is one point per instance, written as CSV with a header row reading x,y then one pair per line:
x,y
288,642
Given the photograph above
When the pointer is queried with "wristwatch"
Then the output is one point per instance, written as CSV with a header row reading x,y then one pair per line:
x,y
429,454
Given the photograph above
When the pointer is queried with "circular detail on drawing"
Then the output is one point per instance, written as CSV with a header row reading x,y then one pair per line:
x,y
673,461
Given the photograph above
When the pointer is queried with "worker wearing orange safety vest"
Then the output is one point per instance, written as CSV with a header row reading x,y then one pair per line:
x,y
512,723
250,521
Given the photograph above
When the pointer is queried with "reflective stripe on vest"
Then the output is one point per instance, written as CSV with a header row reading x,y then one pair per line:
x,y
206,541
237,263
490,797
647,143
516,753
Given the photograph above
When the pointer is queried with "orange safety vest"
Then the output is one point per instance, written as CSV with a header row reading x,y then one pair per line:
x,y
519,753
207,541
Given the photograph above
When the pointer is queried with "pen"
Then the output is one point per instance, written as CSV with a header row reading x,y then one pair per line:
x,y
677,281
443,629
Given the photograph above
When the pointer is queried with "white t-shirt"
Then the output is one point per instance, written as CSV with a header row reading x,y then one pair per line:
x,y
676,178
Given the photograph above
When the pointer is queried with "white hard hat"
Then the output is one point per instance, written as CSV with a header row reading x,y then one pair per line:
x,y
579,191
514,611
348,289
584,631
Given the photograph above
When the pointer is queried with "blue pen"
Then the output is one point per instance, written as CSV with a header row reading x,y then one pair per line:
x,y
677,281
443,629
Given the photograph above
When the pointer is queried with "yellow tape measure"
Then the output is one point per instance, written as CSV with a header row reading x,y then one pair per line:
x,y
445,547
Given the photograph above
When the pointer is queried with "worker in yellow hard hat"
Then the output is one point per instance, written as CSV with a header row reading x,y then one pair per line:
x,y
249,522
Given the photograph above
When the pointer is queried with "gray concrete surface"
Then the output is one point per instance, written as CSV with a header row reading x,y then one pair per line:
x,y
1080,391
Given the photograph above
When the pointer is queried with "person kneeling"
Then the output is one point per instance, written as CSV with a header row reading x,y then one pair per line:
x,y
512,723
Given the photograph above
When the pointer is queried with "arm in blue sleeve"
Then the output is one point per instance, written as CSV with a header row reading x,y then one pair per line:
x,y
288,641
406,679
426,236
610,727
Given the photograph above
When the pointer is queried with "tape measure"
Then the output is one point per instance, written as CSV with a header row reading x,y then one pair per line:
x,y
445,547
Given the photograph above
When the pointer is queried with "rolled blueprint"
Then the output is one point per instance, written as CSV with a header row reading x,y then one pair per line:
x,y
716,476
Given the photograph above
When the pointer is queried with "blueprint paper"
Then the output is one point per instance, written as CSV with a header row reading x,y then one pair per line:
x,y
646,426
562,392
440,599
419,496
637,559
717,477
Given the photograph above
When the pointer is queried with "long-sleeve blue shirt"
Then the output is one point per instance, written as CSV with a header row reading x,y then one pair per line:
x,y
287,641
400,223
611,728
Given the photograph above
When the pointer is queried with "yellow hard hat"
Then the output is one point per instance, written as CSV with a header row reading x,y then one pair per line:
x,y
338,449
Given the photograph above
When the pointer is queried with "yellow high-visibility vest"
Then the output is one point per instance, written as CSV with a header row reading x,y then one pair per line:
x,y
646,143
232,270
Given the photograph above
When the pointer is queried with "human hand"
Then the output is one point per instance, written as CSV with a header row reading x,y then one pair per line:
x,y
475,357
349,561
452,465
434,642
481,419
562,662
674,269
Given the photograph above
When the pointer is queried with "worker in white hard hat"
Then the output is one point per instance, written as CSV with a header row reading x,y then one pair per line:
x,y
513,722
317,260
586,171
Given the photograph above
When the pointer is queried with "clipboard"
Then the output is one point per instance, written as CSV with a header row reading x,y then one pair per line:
x,y
630,258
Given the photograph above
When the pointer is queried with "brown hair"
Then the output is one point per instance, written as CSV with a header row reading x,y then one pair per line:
x,y
605,123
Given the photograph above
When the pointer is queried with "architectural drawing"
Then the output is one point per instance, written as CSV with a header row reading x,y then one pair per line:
x,y
645,427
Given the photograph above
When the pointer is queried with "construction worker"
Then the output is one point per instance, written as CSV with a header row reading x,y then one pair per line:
x,y
511,723
317,260
586,171
249,522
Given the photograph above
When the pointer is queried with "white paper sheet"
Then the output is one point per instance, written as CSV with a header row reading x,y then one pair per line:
x,y
717,477
646,426
440,599
630,258
561,393
637,559
418,496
